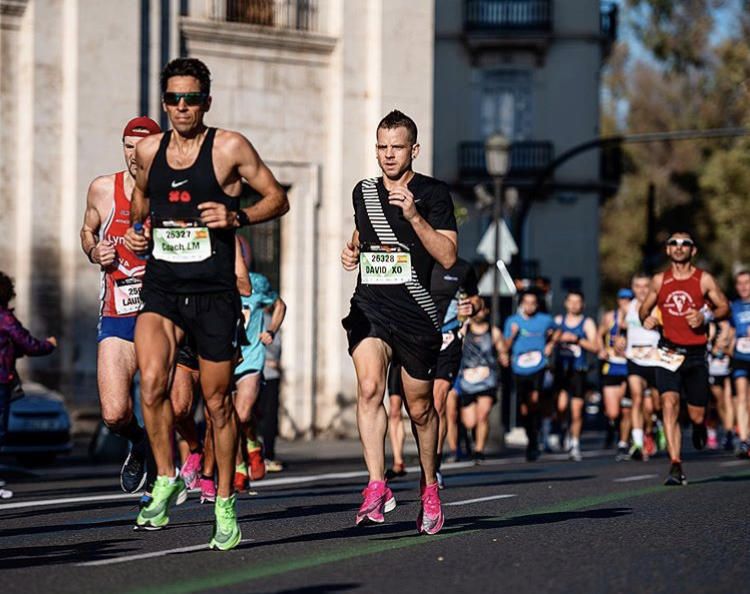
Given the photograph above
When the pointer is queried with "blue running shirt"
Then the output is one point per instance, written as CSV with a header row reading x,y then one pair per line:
x,y
740,321
527,352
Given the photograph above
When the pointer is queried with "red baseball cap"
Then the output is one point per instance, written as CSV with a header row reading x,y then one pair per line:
x,y
141,126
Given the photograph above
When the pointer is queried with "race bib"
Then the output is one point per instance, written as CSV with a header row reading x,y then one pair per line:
x,y
448,338
128,296
474,375
571,350
386,264
743,345
181,244
529,360
718,366
648,356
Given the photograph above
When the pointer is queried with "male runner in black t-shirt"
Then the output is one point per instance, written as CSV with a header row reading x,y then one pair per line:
x,y
404,224
188,183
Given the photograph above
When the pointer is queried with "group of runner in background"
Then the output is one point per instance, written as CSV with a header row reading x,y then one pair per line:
x,y
563,365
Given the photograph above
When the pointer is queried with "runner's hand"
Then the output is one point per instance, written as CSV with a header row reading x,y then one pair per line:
x,y
504,359
52,340
548,348
465,308
695,318
104,253
350,256
621,344
650,323
217,216
137,242
404,199
266,338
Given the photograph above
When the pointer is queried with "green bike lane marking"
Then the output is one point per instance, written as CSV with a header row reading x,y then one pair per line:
x,y
231,578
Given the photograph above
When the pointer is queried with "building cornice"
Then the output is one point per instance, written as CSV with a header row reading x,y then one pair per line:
x,y
256,41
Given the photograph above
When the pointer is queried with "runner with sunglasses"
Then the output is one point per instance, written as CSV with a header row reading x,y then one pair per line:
x,y
688,298
188,182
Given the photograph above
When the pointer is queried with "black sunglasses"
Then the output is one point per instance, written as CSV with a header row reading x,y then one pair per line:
x,y
681,242
171,98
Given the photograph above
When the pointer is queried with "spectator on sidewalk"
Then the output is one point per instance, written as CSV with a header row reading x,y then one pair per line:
x,y
15,342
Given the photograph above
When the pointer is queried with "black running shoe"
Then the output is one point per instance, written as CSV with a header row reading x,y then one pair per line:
x,y
532,453
743,450
133,471
700,435
676,478
728,441
622,453
478,458
395,472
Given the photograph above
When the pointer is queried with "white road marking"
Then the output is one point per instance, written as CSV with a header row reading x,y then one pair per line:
x,y
637,477
735,463
480,499
283,481
126,558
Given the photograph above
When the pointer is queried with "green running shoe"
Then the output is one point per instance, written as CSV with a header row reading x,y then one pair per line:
x,y
155,515
227,533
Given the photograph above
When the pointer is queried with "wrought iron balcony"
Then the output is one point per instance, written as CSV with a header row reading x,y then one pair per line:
x,y
505,16
608,25
300,15
527,158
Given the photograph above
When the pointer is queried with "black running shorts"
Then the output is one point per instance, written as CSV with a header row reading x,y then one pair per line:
x,y
690,380
573,381
417,354
646,373
186,356
526,384
214,320
449,360
613,380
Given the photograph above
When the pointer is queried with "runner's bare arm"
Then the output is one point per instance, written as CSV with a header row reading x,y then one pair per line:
x,y
246,163
277,318
716,295
102,253
602,331
350,254
441,244
649,302
240,270
591,341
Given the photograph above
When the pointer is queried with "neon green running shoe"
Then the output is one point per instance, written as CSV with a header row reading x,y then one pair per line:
x,y
227,533
155,515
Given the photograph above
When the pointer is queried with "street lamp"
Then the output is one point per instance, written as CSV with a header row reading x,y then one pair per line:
x,y
497,157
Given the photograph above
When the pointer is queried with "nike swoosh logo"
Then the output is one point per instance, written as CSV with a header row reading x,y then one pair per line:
x,y
178,184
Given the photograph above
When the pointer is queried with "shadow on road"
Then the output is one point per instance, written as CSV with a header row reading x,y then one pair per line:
x,y
20,557
317,589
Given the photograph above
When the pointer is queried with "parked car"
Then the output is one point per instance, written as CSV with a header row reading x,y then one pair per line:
x,y
38,426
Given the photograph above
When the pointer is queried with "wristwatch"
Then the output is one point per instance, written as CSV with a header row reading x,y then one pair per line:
x,y
242,218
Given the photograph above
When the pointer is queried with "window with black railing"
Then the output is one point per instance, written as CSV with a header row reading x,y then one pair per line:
x,y
608,22
300,15
507,15
526,158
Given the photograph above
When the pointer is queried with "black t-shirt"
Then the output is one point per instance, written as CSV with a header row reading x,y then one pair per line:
x,y
447,284
408,306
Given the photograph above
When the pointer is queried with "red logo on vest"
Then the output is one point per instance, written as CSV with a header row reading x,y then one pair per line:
x,y
678,303
177,196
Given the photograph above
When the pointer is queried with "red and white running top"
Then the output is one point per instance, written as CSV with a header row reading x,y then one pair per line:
x,y
676,298
120,292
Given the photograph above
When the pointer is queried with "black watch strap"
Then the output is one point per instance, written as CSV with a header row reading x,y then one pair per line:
x,y
242,218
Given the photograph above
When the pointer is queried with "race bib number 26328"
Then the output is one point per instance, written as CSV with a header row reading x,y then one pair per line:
x,y
385,265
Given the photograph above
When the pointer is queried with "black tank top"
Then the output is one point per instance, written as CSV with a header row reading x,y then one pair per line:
x,y
175,195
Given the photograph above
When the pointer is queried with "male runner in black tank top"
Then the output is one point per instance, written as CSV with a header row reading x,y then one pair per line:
x,y
188,181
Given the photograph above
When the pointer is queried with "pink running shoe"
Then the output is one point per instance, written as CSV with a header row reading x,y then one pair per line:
x,y
378,499
430,519
191,470
208,490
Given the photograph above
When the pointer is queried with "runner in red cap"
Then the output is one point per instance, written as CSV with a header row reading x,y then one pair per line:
x,y
688,299
105,221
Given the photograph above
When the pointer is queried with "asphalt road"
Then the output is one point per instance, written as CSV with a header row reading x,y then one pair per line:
x,y
550,526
